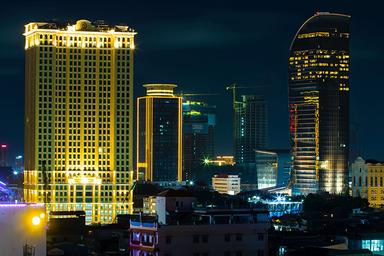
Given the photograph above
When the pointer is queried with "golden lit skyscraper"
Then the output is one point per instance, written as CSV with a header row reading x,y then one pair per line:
x,y
159,134
78,117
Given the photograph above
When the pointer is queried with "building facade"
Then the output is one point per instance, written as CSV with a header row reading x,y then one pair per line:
x,y
368,181
149,205
319,104
199,121
78,117
250,128
159,134
226,184
203,232
266,169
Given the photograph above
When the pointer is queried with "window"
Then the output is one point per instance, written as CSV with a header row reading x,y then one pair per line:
x,y
195,239
227,237
239,237
168,239
260,253
205,238
260,236
239,253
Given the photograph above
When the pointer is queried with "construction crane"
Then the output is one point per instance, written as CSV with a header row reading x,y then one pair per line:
x,y
196,94
234,87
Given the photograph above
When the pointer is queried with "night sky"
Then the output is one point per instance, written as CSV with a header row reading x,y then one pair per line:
x,y
203,47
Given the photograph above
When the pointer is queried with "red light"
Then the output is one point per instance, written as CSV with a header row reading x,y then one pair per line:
x,y
3,146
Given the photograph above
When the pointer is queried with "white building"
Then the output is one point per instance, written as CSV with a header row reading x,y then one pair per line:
x,y
226,184
22,227
360,178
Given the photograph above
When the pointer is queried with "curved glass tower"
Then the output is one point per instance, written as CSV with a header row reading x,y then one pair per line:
x,y
319,104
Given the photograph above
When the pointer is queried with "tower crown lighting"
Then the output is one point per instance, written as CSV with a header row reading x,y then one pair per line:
x,y
160,89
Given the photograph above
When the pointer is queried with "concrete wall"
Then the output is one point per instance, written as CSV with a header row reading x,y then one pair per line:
x,y
17,229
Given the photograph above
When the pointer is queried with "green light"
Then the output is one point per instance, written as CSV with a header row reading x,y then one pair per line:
x,y
206,161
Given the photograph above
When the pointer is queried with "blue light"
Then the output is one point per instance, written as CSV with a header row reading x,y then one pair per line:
x,y
15,172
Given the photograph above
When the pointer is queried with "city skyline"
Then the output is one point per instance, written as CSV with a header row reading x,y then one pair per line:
x,y
208,33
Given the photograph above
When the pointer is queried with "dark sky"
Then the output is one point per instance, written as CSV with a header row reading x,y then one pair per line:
x,y
205,45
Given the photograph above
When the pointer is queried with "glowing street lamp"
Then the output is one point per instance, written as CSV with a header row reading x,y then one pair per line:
x,y
36,220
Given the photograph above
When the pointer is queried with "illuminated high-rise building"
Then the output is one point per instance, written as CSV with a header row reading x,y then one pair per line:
x,y
319,104
199,120
159,135
78,117
250,128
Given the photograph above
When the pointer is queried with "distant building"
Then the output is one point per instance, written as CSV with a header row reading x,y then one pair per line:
x,y
271,169
213,232
3,155
250,127
149,205
284,165
226,184
199,121
22,229
221,161
266,169
159,134
19,164
368,181
318,69
360,178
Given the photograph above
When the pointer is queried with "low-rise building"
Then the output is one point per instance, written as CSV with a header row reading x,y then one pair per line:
x,y
368,181
202,232
226,184
173,201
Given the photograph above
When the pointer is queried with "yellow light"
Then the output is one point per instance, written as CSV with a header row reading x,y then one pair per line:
x,y
84,180
36,221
